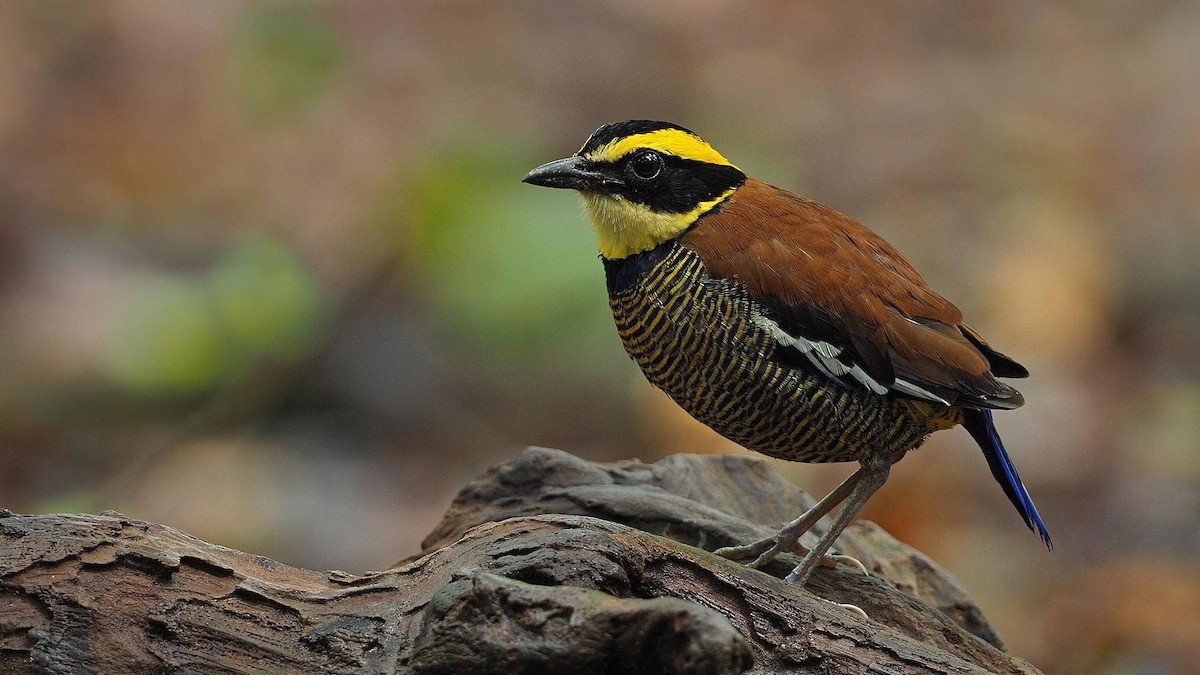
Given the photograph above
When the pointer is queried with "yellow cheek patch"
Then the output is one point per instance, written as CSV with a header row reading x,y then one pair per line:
x,y
667,141
624,227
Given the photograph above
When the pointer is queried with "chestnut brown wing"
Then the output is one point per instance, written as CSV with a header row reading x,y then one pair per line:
x,y
840,299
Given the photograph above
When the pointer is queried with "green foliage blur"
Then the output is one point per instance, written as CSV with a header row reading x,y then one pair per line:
x,y
510,272
284,57
193,334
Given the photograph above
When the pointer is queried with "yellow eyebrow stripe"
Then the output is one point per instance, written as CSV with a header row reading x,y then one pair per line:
x,y
667,141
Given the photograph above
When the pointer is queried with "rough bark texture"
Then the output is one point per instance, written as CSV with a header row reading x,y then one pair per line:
x,y
545,564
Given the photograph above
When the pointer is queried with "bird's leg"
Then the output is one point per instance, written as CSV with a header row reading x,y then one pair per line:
x,y
787,538
872,476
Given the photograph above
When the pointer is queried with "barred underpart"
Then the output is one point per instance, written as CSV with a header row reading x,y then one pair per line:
x,y
702,341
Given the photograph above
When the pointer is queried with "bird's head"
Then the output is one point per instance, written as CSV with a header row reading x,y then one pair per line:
x,y
642,183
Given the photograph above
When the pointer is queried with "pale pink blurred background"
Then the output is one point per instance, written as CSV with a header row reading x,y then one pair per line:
x,y
268,275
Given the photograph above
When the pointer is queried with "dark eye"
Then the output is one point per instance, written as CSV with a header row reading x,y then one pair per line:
x,y
646,165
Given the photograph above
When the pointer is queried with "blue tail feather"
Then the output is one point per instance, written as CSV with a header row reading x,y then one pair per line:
x,y
979,424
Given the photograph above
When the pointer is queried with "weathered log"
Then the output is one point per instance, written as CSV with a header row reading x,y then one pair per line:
x,y
546,564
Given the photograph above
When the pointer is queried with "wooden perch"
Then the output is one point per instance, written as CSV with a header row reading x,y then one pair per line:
x,y
546,564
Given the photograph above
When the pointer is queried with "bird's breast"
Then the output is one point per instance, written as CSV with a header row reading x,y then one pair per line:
x,y
696,337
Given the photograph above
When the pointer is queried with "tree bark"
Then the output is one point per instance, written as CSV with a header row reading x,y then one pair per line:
x,y
545,564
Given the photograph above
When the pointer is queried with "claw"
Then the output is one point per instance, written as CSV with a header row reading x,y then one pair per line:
x,y
833,559
853,608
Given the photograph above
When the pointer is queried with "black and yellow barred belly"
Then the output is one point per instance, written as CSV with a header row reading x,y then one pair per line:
x,y
696,338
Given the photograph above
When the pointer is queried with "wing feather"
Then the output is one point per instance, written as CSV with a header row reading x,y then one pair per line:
x,y
840,299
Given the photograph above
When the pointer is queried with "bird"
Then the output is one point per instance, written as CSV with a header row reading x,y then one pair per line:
x,y
785,326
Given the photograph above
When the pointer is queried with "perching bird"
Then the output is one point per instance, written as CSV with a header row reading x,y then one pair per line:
x,y
784,325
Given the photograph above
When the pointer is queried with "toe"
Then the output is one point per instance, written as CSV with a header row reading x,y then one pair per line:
x,y
834,559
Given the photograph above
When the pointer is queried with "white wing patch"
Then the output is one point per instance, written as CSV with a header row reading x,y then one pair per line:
x,y
823,356
913,390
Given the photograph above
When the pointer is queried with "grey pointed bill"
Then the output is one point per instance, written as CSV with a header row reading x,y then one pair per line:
x,y
572,173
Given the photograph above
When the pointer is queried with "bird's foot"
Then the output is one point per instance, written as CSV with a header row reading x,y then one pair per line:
x,y
765,550
832,559
745,551
799,575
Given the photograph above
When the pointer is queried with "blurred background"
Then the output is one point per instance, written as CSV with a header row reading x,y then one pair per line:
x,y
268,274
